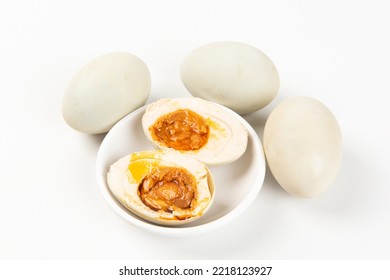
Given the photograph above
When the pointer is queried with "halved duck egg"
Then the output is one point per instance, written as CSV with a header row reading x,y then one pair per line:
x,y
204,130
162,187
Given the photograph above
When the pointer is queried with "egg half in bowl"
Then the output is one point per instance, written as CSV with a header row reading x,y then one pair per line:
x,y
162,187
207,131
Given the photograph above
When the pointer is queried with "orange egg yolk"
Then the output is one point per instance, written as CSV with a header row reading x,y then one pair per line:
x,y
182,130
168,189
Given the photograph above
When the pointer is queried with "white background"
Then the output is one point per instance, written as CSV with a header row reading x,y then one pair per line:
x,y
335,51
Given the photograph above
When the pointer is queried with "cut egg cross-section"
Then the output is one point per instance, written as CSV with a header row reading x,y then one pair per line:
x,y
204,130
162,187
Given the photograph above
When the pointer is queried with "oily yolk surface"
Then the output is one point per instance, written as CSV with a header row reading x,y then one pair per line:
x,y
182,130
168,189
138,169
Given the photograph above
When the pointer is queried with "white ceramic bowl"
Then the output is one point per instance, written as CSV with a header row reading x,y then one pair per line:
x,y
236,184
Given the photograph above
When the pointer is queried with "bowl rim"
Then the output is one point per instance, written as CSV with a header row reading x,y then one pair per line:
x,y
191,230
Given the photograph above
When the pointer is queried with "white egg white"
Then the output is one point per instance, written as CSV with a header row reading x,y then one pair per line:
x,y
124,186
228,137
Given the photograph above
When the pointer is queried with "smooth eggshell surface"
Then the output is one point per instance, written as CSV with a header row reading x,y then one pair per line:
x,y
105,90
303,146
233,74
